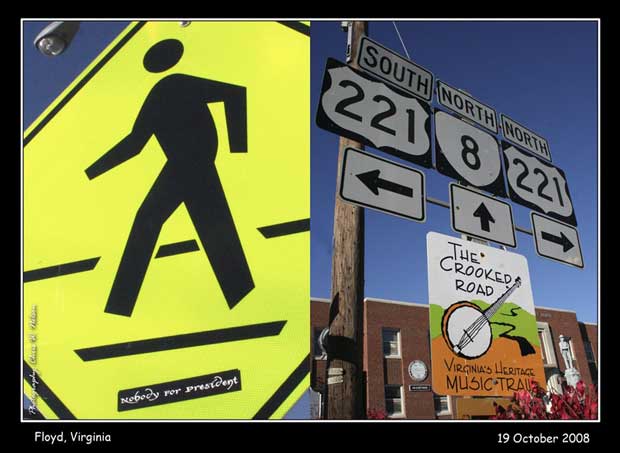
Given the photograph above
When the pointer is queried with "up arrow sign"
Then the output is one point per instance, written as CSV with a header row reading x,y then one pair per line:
x,y
485,217
476,214
372,180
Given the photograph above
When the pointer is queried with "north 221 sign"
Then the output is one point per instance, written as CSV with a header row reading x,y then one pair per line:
x,y
484,336
538,185
359,107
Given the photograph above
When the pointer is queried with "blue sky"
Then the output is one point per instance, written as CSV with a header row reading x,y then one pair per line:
x,y
542,74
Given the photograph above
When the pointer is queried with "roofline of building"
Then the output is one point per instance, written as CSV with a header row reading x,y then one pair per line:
x,y
416,304
589,323
374,299
319,299
555,309
395,302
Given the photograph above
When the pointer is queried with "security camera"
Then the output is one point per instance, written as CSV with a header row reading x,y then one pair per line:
x,y
56,37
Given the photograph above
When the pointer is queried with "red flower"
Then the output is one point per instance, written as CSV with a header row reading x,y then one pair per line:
x,y
581,388
379,414
575,403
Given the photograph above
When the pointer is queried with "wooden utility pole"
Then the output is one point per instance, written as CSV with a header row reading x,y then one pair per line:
x,y
345,343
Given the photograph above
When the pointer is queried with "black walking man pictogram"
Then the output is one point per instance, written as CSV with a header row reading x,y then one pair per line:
x,y
176,112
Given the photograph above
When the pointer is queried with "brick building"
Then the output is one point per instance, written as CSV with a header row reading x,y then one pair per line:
x,y
397,333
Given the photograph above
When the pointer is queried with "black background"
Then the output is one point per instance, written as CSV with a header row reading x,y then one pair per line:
x,y
294,436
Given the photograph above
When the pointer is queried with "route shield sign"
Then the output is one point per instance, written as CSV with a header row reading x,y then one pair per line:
x,y
484,336
358,106
166,219
537,184
556,240
468,154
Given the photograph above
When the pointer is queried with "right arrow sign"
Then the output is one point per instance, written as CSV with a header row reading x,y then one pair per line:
x,y
561,240
476,214
556,240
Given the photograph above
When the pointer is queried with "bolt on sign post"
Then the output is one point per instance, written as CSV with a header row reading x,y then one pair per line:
x,y
484,336
166,227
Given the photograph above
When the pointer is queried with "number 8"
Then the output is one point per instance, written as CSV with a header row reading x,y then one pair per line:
x,y
470,150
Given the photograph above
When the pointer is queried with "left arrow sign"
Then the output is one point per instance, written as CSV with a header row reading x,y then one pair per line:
x,y
373,182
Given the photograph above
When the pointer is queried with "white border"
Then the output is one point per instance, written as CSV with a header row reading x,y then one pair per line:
x,y
412,19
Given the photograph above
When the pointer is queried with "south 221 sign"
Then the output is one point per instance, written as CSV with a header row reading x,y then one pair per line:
x,y
537,184
359,107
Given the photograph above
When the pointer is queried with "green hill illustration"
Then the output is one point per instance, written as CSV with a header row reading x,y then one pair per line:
x,y
510,321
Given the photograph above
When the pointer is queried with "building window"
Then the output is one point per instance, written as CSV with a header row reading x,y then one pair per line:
x,y
442,404
541,335
391,343
546,344
317,351
589,352
394,400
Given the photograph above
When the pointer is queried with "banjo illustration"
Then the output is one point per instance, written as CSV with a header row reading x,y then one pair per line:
x,y
467,329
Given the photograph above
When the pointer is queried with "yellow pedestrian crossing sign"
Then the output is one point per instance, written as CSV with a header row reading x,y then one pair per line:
x,y
166,228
